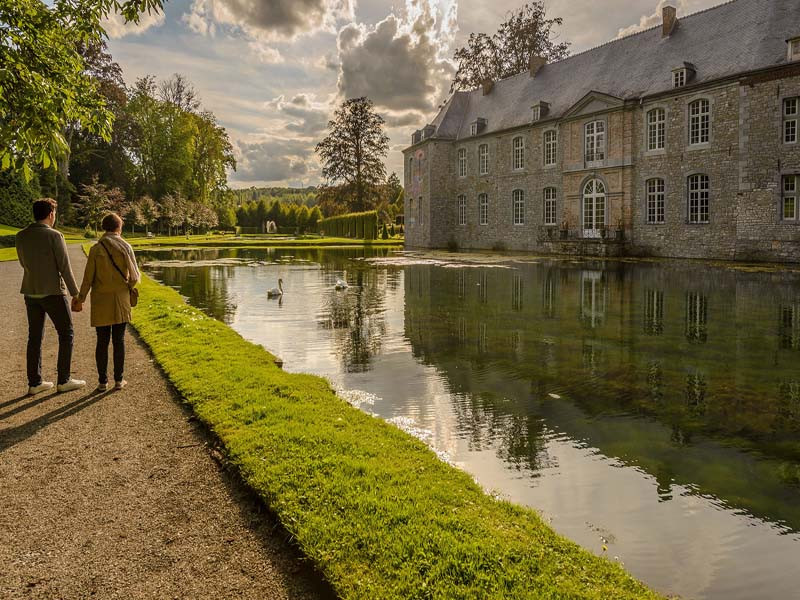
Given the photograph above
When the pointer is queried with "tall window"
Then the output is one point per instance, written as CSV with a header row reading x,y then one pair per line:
x,y
483,159
791,114
550,147
518,197
679,78
595,141
655,200
483,209
518,153
420,214
698,199
656,129
462,162
550,206
789,205
699,121
462,210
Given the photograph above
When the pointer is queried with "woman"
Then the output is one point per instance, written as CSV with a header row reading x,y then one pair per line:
x,y
110,274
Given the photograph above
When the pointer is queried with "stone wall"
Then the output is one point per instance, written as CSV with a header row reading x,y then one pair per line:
x,y
744,160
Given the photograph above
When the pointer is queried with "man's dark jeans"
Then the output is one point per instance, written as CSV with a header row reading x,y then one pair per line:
x,y
104,335
57,308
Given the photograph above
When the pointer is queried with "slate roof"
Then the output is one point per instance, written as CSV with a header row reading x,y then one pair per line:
x,y
732,38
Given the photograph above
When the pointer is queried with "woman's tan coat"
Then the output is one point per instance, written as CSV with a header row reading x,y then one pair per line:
x,y
110,300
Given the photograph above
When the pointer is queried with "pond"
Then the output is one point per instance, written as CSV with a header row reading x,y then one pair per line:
x,y
649,410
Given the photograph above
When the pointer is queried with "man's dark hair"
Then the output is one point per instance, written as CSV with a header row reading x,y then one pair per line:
x,y
111,222
43,207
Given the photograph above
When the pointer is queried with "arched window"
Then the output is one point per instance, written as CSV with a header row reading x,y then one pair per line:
x,y
483,159
655,200
595,134
550,147
462,162
656,129
550,206
594,208
699,121
518,153
462,210
483,209
699,198
518,197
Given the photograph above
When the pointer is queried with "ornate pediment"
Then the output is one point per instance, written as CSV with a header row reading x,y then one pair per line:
x,y
592,103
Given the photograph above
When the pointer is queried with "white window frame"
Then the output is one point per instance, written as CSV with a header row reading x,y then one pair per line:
x,y
790,192
550,145
462,210
791,120
517,153
699,122
483,209
656,129
483,159
594,142
655,201
679,77
473,129
518,206
698,196
462,162
550,206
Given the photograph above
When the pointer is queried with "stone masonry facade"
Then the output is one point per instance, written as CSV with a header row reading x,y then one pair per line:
x,y
701,170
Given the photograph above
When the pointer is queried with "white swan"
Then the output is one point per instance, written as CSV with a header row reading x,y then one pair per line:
x,y
340,285
276,292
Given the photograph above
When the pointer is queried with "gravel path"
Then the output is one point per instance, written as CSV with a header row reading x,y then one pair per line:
x,y
118,495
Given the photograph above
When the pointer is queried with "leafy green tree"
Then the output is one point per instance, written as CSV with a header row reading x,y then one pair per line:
x,y
146,212
43,83
526,32
353,151
314,217
303,215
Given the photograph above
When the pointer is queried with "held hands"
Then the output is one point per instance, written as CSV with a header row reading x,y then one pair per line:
x,y
77,305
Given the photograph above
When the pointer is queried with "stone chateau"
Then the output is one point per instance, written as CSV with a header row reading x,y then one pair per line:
x,y
681,141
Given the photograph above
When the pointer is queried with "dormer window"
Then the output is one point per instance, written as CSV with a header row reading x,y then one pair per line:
x,y
477,126
417,137
682,75
794,49
428,131
539,111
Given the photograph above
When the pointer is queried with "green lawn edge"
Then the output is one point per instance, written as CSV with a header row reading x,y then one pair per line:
x,y
373,507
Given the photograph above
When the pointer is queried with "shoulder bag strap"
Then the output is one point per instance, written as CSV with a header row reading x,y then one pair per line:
x,y
111,258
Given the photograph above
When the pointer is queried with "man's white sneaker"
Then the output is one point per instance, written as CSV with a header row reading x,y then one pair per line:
x,y
72,384
38,389
102,387
120,384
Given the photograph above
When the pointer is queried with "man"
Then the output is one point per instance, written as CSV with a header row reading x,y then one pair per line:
x,y
43,255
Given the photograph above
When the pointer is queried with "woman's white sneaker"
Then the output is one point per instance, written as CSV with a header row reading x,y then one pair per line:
x,y
120,384
72,384
38,389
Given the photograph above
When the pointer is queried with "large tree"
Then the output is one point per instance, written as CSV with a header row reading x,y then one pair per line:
x,y
44,84
526,32
353,151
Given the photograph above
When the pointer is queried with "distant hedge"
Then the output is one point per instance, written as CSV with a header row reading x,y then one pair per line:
x,y
16,197
362,225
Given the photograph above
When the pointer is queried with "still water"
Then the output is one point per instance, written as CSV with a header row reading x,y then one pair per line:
x,y
649,407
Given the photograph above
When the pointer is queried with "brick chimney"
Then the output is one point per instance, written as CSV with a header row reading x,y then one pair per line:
x,y
535,63
669,20
487,85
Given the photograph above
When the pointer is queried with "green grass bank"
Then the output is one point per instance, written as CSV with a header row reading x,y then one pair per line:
x,y
380,515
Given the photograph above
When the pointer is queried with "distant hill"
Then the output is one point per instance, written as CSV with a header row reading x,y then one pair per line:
x,y
306,195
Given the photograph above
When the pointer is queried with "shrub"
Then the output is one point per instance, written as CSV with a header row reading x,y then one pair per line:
x,y
385,234
452,245
16,197
362,225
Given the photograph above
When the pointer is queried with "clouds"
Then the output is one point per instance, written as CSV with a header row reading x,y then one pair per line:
x,y
268,19
400,63
116,27
307,118
651,20
272,160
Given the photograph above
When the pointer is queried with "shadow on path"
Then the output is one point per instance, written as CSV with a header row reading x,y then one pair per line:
x,y
14,435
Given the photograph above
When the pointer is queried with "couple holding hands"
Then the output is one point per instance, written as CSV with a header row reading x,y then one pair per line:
x,y
110,274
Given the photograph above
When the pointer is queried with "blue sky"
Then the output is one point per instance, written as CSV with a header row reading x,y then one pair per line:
x,y
273,70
